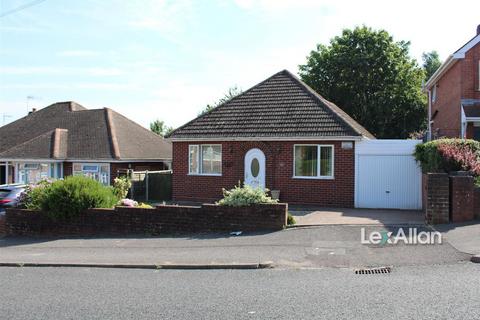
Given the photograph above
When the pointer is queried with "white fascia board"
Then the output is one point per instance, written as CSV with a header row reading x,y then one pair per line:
x,y
333,138
460,54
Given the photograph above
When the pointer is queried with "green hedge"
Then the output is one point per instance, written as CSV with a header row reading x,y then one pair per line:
x,y
431,160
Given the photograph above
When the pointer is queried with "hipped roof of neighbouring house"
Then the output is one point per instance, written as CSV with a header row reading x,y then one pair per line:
x,y
281,106
68,131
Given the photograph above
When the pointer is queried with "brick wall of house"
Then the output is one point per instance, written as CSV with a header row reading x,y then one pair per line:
x,y
446,122
470,84
337,192
460,82
160,220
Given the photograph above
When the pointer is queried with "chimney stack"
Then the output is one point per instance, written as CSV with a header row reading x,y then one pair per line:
x,y
33,110
478,29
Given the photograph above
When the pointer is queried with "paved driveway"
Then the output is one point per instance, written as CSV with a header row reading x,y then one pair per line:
x,y
346,216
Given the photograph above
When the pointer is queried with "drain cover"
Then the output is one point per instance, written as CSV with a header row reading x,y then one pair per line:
x,y
379,270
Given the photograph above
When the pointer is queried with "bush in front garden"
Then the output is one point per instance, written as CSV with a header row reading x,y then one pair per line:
x,y
66,198
121,185
245,196
34,195
447,155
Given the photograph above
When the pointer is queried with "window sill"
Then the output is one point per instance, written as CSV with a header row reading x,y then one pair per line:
x,y
315,178
205,174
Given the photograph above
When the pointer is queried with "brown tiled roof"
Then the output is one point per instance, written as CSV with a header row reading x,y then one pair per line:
x,y
66,130
280,106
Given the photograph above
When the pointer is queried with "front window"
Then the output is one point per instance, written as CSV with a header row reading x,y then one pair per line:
x,y
96,171
205,159
313,161
31,173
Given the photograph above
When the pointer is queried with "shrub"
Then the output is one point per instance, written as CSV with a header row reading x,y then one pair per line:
x,y
34,195
446,155
121,185
245,196
290,219
67,198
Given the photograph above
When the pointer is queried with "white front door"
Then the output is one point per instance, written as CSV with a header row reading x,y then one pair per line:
x,y
255,168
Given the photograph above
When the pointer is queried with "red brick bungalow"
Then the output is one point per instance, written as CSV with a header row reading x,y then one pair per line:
x,y
280,134
454,94
67,139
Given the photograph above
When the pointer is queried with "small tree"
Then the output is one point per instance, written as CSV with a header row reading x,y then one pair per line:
x,y
231,93
431,62
159,127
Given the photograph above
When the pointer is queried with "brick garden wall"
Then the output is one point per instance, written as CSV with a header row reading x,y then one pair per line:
x,y
451,198
3,228
436,198
461,198
161,220
476,203
338,192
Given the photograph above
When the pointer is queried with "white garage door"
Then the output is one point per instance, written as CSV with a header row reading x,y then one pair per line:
x,y
387,175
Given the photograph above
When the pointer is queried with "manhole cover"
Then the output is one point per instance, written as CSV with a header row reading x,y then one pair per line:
x,y
379,270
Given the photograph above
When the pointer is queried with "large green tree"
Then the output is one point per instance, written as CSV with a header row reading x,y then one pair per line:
x,y
231,93
372,78
431,62
159,127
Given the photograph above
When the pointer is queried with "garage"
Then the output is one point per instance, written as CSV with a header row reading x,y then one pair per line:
x,y
387,175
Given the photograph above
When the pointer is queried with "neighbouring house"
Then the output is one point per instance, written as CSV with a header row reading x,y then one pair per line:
x,y
280,134
454,94
67,139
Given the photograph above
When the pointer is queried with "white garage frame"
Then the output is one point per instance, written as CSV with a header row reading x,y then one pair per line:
x,y
392,152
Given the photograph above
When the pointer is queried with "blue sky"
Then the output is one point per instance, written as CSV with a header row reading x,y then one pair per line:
x,y
152,59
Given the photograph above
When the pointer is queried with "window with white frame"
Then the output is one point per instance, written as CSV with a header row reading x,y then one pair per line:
x,y
434,93
478,75
96,171
205,159
313,161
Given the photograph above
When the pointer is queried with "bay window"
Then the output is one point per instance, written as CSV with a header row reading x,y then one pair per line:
x,y
205,159
96,171
313,161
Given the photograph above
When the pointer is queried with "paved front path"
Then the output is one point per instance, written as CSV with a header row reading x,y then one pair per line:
x,y
326,246
426,292
346,216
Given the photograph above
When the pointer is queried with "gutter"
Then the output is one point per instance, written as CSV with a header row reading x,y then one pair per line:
x,y
323,138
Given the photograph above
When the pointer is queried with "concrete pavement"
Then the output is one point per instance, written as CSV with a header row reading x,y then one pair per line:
x,y
324,246
465,237
417,292
350,216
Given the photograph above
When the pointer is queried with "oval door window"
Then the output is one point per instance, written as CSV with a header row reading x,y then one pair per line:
x,y
255,167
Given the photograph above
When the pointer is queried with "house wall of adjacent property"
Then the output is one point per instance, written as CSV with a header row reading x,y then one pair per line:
x,y
118,167
461,81
470,69
338,192
446,109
